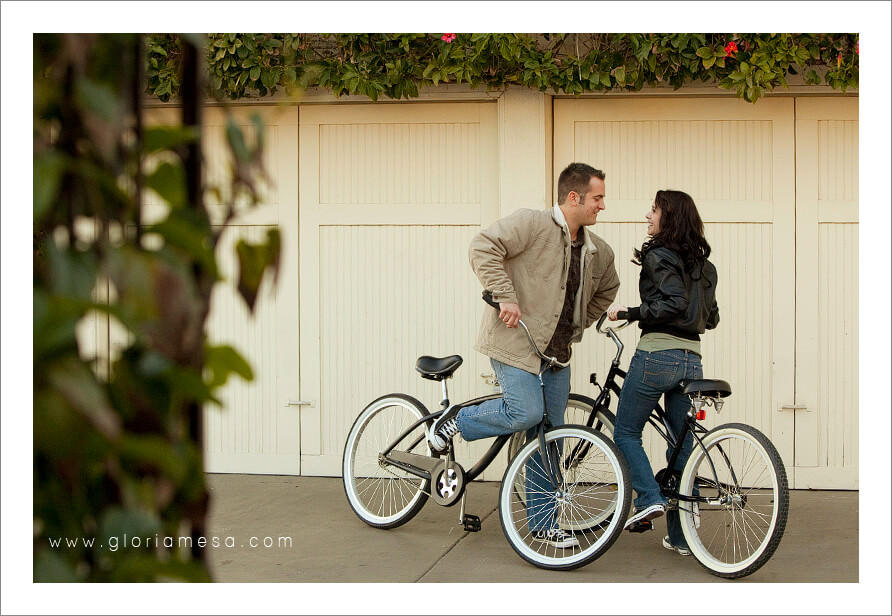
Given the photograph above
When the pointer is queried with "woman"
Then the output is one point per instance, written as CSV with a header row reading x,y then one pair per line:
x,y
677,288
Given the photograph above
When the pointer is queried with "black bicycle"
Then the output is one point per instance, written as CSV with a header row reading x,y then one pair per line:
x,y
732,494
389,471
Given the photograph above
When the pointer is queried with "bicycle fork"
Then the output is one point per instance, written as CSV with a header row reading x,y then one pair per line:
x,y
551,458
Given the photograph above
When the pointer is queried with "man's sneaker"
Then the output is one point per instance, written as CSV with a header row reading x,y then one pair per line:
x,y
648,513
557,537
444,428
668,545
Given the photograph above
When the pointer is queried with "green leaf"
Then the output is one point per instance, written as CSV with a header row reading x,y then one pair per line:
x,y
222,361
47,176
49,566
620,74
99,98
188,231
72,273
237,141
253,261
159,138
268,78
117,521
76,382
704,52
169,182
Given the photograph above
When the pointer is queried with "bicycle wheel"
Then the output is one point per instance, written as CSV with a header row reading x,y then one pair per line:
x,y
579,412
382,495
742,520
590,487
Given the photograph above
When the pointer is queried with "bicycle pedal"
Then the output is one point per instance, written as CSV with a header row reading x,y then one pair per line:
x,y
641,527
471,523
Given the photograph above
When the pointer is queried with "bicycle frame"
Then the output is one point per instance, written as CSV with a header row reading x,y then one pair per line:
x,y
658,418
422,466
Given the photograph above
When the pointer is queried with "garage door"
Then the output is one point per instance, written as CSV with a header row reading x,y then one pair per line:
x,y
737,161
390,197
256,431
827,293
776,184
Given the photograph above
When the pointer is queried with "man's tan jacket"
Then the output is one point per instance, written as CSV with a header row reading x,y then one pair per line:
x,y
524,259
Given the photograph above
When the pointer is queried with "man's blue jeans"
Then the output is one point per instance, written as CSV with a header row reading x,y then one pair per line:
x,y
651,375
520,409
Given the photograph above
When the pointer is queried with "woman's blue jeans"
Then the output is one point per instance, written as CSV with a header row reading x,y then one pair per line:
x,y
520,409
650,376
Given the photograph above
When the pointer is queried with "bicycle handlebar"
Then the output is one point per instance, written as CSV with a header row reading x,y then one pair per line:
x,y
611,332
552,361
622,314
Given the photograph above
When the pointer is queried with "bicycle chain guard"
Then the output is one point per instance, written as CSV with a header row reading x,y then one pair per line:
x,y
447,482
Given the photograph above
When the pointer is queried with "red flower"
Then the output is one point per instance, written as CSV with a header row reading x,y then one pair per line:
x,y
857,48
731,48
448,38
838,60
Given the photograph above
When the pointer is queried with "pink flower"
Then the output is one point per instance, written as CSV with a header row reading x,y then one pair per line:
x,y
857,48
448,38
731,48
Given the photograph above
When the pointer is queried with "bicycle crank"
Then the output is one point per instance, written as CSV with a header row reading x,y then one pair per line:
x,y
447,482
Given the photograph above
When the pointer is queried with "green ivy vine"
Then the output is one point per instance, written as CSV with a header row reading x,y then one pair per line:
x,y
396,66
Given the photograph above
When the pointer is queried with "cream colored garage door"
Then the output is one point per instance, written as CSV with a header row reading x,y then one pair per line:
x,y
737,161
256,431
390,197
827,293
776,183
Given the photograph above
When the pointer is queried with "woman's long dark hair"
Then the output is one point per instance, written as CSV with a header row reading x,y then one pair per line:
x,y
681,229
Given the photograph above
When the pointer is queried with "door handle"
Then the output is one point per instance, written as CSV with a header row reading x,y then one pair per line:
x,y
299,403
794,407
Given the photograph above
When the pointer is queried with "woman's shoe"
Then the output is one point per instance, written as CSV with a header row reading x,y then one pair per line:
x,y
668,545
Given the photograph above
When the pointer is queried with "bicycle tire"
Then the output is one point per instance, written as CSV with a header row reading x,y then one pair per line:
x,y
741,529
381,495
579,412
589,484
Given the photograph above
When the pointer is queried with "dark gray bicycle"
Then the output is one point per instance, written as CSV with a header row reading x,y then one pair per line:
x,y
390,471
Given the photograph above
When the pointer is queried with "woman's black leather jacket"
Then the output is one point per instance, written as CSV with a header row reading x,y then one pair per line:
x,y
675,301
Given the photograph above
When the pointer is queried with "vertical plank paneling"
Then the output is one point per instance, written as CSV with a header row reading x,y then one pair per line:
x,y
219,164
392,294
838,160
243,425
838,349
399,164
716,160
725,159
737,350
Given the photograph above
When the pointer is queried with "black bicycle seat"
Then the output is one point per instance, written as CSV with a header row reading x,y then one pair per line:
x,y
438,368
713,388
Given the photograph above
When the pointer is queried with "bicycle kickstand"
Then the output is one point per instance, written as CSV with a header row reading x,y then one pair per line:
x,y
470,523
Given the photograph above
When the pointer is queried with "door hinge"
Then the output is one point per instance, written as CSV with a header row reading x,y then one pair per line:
x,y
299,403
794,407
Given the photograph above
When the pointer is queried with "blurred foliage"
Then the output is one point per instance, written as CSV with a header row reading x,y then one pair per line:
x,y
397,65
116,449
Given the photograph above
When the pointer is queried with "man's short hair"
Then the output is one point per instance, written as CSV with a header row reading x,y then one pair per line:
x,y
576,178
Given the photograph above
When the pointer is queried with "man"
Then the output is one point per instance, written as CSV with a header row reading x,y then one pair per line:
x,y
544,266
